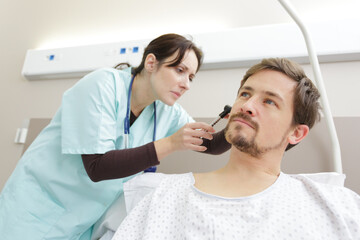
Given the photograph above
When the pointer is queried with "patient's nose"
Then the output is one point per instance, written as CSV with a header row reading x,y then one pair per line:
x,y
249,107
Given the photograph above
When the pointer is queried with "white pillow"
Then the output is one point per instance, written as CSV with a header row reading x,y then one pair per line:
x,y
134,190
110,220
332,178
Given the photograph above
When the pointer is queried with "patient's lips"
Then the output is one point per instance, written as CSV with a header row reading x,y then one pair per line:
x,y
244,120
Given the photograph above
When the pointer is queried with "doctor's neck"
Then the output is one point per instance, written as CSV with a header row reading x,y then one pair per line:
x,y
141,94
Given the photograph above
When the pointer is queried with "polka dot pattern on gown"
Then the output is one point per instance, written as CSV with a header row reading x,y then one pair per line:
x,y
294,207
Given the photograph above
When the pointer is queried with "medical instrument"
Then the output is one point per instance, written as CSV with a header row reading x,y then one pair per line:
x,y
127,123
226,111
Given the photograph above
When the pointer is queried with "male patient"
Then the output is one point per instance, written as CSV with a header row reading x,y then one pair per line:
x,y
250,198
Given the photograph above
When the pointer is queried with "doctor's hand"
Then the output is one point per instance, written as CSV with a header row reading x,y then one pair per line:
x,y
189,137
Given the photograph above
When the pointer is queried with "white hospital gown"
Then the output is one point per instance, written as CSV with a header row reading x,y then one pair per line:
x,y
294,207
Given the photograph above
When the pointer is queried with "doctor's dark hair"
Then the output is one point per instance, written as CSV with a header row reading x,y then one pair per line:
x,y
165,46
306,96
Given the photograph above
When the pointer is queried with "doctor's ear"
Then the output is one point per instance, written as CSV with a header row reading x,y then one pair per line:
x,y
151,62
299,133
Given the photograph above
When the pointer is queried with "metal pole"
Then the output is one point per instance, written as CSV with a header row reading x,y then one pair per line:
x,y
320,83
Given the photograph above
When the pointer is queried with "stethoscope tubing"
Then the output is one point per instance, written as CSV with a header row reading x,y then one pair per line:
x,y
127,122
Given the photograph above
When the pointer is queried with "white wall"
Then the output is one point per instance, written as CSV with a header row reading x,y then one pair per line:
x,y
48,23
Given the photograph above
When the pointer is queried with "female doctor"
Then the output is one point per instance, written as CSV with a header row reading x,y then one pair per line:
x,y
111,125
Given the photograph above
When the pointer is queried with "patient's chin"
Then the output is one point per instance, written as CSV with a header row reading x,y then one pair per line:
x,y
232,133
247,147
239,141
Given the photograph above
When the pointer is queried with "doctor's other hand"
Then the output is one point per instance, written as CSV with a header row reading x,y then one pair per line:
x,y
189,137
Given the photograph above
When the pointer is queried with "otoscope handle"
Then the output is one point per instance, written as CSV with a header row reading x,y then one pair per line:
x,y
215,121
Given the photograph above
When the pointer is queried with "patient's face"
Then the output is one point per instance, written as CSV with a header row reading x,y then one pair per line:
x,y
261,117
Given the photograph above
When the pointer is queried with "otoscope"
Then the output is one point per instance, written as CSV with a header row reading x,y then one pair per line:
x,y
226,111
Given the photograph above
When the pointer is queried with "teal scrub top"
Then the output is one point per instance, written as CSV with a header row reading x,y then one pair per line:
x,y
49,195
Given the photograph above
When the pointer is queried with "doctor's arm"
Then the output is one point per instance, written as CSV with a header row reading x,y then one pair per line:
x,y
122,163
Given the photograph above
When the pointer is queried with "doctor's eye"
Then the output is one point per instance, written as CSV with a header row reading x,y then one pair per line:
x,y
191,78
179,69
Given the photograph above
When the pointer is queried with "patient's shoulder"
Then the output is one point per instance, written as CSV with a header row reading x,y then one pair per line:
x,y
331,189
172,186
155,185
176,180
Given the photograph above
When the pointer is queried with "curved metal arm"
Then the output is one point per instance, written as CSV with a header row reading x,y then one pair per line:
x,y
320,83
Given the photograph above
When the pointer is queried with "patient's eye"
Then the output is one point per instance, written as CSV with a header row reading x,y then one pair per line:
x,y
270,102
244,94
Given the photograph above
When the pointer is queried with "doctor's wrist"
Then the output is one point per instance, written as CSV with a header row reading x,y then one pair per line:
x,y
164,147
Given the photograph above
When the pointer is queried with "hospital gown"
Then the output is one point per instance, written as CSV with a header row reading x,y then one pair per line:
x,y
294,207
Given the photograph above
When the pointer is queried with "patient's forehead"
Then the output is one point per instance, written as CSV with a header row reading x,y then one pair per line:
x,y
271,81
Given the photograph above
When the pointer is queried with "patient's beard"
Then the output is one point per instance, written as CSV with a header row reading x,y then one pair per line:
x,y
241,143
234,137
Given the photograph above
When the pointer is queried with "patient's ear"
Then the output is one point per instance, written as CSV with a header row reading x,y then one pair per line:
x,y
299,133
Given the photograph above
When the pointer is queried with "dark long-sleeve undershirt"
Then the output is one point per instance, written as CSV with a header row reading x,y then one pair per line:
x,y
125,162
